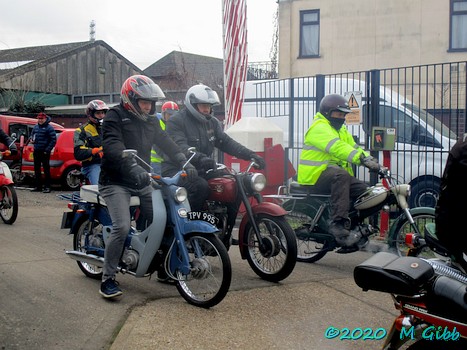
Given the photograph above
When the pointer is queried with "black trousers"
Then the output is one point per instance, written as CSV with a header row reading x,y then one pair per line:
x,y
42,158
198,192
343,188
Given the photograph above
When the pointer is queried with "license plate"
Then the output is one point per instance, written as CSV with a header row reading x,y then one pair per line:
x,y
202,215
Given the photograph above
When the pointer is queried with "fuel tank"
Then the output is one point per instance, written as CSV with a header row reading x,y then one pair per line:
x,y
222,189
372,197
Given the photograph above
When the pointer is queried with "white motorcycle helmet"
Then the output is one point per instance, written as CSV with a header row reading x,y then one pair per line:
x,y
200,94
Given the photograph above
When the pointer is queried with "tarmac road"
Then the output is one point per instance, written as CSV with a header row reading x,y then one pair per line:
x,y
46,302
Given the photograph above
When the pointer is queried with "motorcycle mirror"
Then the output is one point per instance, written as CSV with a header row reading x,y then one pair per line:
x,y
129,152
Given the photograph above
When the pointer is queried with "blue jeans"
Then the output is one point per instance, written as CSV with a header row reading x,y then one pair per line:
x,y
117,199
92,172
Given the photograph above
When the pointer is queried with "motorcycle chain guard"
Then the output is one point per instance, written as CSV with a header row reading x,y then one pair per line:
x,y
389,273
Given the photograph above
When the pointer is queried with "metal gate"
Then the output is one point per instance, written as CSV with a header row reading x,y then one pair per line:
x,y
425,104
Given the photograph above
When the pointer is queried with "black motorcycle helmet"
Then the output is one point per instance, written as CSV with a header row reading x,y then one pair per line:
x,y
333,102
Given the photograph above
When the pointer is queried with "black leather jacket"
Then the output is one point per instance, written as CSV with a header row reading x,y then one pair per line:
x,y
206,135
121,130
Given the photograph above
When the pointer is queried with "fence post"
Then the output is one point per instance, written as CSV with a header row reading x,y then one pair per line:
x,y
320,89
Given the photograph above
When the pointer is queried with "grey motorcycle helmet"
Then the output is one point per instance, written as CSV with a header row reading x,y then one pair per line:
x,y
200,94
333,102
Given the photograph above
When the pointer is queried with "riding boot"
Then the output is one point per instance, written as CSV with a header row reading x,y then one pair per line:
x,y
343,236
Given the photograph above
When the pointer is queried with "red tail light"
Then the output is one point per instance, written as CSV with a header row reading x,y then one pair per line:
x,y
409,237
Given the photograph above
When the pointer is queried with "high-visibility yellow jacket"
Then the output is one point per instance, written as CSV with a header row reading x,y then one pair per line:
x,y
156,157
324,146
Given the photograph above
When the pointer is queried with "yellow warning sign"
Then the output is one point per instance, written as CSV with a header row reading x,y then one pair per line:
x,y
353,103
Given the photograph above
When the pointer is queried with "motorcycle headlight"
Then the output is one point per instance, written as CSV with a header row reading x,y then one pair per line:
x,y
258,182
180,194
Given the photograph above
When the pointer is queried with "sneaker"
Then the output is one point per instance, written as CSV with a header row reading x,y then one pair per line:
x,y
110,289
46,190
36,189
162,277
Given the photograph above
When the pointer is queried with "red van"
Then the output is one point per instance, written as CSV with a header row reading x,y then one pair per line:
x,y
22,127
64,168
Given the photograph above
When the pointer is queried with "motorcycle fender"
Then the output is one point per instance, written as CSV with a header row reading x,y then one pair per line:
x,y
260,208
198,226
413,211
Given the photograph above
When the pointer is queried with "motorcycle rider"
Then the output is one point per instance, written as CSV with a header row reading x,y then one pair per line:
x,y
168,109
130,125
87,141
326,163
8,141
450,207
196,126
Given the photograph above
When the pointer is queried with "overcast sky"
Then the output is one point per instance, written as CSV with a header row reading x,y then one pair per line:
x,y
143,31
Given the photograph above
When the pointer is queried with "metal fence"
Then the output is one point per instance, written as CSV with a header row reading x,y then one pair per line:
x,y
426,105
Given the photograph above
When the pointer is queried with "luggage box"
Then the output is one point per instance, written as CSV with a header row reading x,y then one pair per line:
x,y
389,273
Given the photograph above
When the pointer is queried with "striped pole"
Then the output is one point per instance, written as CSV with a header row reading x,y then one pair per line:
x,y
235,58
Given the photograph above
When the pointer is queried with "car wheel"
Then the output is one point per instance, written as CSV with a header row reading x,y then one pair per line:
x,y
425,193
18,176
71,178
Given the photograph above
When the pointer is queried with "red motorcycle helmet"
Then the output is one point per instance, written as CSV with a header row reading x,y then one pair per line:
x,y
140,87
170,108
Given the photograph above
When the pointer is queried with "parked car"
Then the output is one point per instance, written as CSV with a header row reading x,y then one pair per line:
x,y
22,127
64,168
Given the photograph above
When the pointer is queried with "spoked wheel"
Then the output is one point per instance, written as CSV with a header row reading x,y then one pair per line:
x,y
85,237
299,216
211,271
8,204
276,259
396,241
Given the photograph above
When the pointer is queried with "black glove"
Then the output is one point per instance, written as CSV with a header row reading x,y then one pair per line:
x,y
191,171
140,176
258,160
13,151
207,163
370,163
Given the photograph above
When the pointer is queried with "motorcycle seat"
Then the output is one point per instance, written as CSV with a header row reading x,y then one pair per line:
x,y
90,194
295,187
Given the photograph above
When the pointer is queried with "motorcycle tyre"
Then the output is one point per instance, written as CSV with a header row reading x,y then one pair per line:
x,y
89,270
287,264
395,244
319,253
9,215
215,249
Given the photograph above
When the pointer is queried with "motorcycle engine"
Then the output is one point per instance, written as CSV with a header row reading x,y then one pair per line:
x,y
130,258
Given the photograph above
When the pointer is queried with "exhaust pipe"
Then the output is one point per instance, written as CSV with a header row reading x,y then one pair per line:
x,y
86,258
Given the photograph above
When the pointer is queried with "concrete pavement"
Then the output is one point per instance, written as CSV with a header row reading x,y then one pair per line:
x,y
291,315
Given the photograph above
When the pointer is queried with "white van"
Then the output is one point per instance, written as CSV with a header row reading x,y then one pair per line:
x,y
422,141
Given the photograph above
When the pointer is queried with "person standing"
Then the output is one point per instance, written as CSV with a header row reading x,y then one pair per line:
x,y
130,125
326,160
87,141
168,109
43,138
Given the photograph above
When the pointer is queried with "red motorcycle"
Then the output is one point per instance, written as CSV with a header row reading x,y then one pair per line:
x,y
265,238
8,197
430,295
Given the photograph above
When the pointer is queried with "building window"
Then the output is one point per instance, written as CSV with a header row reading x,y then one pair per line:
x,y
458,26
309,33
